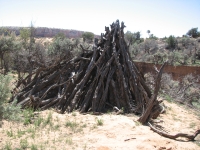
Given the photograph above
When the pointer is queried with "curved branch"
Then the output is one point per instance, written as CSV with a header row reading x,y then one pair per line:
x,y
189,137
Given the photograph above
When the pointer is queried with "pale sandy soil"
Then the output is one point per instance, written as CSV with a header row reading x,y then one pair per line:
x,y
118,132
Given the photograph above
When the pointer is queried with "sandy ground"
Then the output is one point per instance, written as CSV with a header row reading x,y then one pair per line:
x,y
103,132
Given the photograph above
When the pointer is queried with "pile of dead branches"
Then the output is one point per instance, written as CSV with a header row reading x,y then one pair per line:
x,y
97,80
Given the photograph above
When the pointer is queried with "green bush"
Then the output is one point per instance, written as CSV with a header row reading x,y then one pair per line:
x,y
186,42
4,92
132,38
12,111
151,36
4,88
88,36
193,32
60,47
60,35
171,41
7,111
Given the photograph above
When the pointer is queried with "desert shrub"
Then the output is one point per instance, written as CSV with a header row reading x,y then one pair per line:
x,y
7,111
185,91
12,111
172,42
185,41
168,85
193,32
8,45
4,88
132,38
171,58
76,42
177,57
185,59
151,36
4,92
144,57
189,90
76,51
149,46
89,36
24,36
86,46
159,57
60,47
60,35
4,31
134,49
150,80
150,58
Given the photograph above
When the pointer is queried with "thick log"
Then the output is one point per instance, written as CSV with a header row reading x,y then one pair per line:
x,y
153,100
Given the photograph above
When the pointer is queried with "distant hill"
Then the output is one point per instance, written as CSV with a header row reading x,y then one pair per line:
x,y
50,32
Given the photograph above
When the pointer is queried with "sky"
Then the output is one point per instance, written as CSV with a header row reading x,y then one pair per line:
x,y
161,17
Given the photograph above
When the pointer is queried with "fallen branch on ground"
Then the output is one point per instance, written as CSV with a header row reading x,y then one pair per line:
x,y
188,136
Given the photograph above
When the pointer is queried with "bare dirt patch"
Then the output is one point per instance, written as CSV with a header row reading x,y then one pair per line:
x,y
104,132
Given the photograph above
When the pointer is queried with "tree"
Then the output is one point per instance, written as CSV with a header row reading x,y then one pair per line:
x,y
193,32
32,38
60,47
88,36
6,46
131,38
172,42
148,31
5,31
60,35
151,36
24,35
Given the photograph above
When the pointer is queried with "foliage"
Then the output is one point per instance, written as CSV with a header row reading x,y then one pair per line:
x,y
99,122
27,116
69,141
185,41
8,44
149,46
31,38
185,91
4,92
171,41
60,35
159,57
177,57
25,34
7,111
88,36
193,32
12,111
60,47
134,49
73,125
151,36
24,143
4,31
132,38
148,31
4,87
